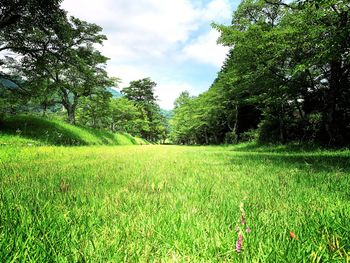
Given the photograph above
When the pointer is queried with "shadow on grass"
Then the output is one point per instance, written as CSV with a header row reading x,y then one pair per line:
x,y
132,139
106,137
297,155
317,162
328,172
282,148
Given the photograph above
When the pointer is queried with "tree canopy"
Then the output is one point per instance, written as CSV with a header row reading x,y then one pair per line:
x,y
285,78
142,93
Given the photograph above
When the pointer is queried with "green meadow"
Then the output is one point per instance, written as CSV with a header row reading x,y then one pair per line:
x,y
155,203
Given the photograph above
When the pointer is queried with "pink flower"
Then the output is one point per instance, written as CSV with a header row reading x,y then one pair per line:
x,y
239,243
248,230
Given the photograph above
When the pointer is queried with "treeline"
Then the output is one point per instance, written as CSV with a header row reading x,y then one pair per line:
x,y
286,78
52,64
135,112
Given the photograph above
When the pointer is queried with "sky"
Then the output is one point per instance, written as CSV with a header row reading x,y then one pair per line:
x,y
170,41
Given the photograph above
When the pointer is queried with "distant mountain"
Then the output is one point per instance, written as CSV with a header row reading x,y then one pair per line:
x,y
168,114
7,84
115,93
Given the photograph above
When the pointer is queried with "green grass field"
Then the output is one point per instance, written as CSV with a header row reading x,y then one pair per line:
x,y
173,204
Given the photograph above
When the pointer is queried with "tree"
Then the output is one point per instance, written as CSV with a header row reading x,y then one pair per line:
x,y
86,78
94,110
66,60
141,92
181,122
20,18
125,117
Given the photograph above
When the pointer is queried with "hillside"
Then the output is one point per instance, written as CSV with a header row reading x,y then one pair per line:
x,y
168,114
30,130
115,93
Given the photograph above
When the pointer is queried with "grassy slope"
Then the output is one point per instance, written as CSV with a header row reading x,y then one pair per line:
x,y
172,203
24,130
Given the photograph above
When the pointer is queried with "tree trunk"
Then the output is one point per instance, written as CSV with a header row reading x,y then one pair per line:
x,y
70,106
282,131
206,136
113,127
282,127
71,114
235,127
331,124
44,109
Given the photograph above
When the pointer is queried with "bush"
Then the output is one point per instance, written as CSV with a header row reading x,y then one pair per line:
x,y
268,131
313,128
249,136
231,138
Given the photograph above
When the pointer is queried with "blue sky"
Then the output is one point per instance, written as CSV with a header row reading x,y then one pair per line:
x,y
169,41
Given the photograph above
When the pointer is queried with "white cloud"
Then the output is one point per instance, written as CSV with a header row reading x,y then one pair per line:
x,y
127,73
167,92
145,37
204,49
146,27
218,11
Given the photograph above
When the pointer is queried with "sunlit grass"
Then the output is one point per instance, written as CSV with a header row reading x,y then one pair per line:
x,y
172,203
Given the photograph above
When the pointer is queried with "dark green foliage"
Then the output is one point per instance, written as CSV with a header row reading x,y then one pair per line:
x,y
297,53
26,13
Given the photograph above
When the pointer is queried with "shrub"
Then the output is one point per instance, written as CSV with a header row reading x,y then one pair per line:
x,y
249,136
